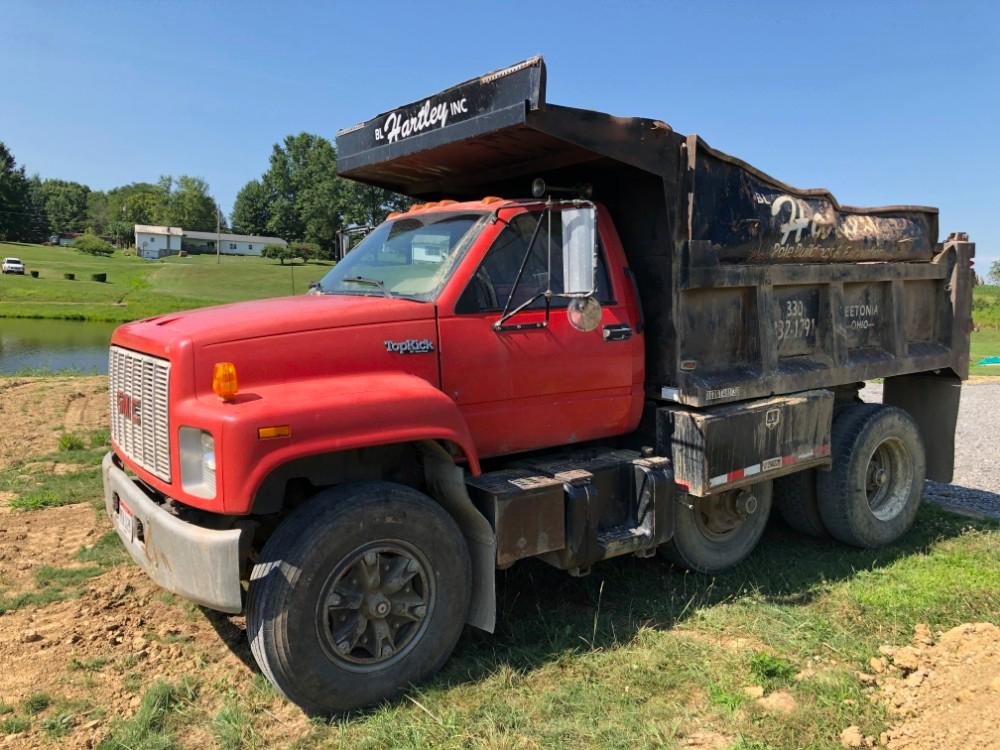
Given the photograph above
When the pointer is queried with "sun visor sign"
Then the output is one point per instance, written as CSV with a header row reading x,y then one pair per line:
x,y
501,89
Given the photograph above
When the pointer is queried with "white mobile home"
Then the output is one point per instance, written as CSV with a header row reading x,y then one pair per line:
x,y
158,242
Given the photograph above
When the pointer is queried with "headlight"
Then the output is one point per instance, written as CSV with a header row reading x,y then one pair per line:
x,y
197,462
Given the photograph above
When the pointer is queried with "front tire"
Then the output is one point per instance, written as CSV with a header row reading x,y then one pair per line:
x,y
361,592
714,533
871,494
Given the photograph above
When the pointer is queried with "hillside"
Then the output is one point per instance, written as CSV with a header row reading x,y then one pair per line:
x,y
137,288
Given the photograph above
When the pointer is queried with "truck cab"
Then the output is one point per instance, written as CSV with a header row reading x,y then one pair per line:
x,y
594,337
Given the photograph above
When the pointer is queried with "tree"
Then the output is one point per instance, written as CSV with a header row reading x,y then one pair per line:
x,y
301,198
369,205
97,211
65,205
994,275
136,203
121,232
252,209
93,245
188,204
22,210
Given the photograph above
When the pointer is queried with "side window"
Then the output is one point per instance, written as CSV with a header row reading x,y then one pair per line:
x,y
494,280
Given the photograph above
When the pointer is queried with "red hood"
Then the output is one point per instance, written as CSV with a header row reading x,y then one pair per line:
x,y
265,318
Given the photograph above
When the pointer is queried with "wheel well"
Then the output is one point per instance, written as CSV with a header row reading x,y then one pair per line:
x,y
425,465
292,482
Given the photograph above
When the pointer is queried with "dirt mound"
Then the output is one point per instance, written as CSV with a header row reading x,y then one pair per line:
x,y
945,691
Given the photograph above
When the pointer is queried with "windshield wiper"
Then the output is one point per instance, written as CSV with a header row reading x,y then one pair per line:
x,y
369,282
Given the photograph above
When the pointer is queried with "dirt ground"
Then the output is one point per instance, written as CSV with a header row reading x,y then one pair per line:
x,y
100,650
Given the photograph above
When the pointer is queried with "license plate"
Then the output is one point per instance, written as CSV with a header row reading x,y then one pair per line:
x,y
125,520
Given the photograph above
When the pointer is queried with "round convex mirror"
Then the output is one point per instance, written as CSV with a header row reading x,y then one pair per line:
x,y
584,313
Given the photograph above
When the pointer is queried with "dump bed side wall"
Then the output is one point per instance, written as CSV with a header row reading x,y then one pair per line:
x,y
748,216
754,330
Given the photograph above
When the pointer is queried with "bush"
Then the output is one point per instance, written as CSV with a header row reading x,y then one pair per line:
x,y
93,245
277,252
305,250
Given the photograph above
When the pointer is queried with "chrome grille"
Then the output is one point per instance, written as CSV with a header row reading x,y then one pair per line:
x,y
138,390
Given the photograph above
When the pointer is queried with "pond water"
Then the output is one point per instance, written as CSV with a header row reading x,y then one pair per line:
x,y
53,345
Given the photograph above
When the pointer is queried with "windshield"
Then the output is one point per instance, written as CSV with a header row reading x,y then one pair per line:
x,y
410,257
12,260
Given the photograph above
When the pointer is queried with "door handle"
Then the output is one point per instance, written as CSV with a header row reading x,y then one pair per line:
x,y
620,332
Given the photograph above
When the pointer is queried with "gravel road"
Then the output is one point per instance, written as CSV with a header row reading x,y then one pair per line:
x,y
976,485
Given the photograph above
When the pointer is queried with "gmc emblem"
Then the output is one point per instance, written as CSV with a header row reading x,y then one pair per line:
x,y
129,408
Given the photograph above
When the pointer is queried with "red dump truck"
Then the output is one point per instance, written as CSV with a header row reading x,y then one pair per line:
x,y
595,337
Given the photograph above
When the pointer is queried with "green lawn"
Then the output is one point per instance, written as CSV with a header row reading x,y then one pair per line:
x,y
137,288
985,343
986,306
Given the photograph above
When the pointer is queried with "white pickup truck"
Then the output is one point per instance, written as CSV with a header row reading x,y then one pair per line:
x,y
13,265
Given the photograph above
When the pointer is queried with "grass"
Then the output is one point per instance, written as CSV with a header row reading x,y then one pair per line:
x,y
232,727
14,725
37,702
154,725
771,670
54,584
138,288
986,306
985,343
36,486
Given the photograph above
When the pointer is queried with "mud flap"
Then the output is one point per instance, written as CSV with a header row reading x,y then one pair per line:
x,y
932,400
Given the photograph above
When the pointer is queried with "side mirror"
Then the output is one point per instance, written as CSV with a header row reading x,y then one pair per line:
x,y
579,231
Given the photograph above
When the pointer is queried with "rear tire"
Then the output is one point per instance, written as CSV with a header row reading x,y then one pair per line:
x,y
717,532
796,502
361,592
871,494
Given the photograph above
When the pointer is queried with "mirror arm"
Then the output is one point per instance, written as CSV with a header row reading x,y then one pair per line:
x,y
499,325
520,272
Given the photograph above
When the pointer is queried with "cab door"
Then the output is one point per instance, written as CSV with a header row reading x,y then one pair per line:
x,y
539,382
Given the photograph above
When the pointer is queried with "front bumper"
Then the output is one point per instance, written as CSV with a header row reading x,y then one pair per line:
x,y
192,561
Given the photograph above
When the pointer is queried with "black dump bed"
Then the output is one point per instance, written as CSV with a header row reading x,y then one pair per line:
x,y
749,286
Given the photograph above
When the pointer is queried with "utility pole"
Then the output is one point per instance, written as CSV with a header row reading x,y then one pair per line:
x,y
218,234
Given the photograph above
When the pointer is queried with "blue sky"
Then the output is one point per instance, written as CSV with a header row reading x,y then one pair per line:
x,y
879,102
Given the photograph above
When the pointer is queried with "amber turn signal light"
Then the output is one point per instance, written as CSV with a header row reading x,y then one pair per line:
x,y
277,431
224,383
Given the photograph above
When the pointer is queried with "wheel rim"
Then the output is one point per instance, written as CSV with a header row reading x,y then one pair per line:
x,y
718,517
888,479
375,605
